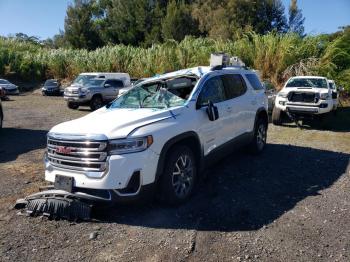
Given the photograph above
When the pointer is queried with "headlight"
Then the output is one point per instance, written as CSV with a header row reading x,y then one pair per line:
x,y
324,96
129,145
283,94
84,91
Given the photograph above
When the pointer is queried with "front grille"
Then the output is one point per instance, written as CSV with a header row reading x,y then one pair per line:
x,y
303,97
81,155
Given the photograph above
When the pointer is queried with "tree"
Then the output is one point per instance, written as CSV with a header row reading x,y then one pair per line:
x,y
296,19
178,21
80,29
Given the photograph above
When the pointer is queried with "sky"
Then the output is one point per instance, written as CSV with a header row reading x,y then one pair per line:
x,y
44,18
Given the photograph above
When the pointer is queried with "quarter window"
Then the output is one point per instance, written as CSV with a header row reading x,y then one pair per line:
x,y
213,90
234,85
254,81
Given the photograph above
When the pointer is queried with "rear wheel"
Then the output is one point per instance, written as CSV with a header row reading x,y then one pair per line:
x,y
72,105
276,116
178,180
96,103
260,134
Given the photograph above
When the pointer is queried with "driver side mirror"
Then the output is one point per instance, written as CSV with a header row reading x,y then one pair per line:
x,y
212,111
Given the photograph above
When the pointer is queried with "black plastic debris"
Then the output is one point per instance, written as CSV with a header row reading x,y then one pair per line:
x,y
56,207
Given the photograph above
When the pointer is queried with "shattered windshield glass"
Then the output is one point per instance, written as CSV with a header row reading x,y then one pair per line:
x,y
151,95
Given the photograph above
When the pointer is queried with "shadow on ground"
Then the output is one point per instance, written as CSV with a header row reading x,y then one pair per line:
x,y
242,192
339,122
14,142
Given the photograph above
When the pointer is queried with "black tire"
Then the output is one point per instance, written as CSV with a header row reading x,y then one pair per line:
x,y
177,182
72,105
258,143
96,102
276,116
1,119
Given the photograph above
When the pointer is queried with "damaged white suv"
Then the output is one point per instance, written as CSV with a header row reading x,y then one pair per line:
x,y
159,135
304,96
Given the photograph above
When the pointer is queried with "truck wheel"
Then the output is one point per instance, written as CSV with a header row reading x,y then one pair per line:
x,y
72,105
276,116
177,181
259,140
96,103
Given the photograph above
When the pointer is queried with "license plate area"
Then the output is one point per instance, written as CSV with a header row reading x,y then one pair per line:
x,y
64,183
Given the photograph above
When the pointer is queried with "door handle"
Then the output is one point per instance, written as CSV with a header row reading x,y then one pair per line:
x,y
254,102
229,109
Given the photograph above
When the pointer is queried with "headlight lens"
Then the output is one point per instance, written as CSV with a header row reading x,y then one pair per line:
x,y
84,91
324,96
129,145
283,94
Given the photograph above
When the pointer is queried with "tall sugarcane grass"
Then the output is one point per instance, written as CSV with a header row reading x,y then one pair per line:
x,y
275,56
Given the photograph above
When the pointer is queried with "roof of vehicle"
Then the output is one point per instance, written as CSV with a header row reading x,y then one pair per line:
x,y
198,71
103,73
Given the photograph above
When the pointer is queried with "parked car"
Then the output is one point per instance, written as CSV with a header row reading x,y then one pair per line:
x,y
158,136
51,87
271,93
1,115
335,93
8,87
95,89
303,96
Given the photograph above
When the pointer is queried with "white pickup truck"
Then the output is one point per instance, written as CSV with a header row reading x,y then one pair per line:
x,y
158,136
304,96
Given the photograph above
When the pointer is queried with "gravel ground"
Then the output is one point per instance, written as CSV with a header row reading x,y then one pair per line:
x,y
292,203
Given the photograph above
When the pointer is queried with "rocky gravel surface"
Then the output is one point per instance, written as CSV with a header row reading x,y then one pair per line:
x,y
292,203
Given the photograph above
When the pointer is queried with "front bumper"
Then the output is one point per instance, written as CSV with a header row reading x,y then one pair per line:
x,y
77,99
119,171
323,106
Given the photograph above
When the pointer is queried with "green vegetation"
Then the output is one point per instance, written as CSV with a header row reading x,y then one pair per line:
x,y
276,56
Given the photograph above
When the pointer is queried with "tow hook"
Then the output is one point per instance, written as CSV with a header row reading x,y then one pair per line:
x,y
56,204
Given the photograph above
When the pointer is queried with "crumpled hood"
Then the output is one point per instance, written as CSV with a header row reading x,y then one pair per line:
x,y
114,123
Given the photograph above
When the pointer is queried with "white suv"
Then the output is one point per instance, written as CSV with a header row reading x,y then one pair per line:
x,y
303,96
159,135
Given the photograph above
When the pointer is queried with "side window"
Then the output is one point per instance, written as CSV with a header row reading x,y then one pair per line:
x,y
254,81
213,90
234,85
115,83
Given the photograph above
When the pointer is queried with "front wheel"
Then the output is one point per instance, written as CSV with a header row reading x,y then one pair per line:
x,y
96,103
259,140
72,105
276,116
178,180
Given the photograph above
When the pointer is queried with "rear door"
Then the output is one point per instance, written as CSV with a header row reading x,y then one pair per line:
x,y
240,110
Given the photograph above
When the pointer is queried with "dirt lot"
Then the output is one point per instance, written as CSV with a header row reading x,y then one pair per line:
x,y
290,204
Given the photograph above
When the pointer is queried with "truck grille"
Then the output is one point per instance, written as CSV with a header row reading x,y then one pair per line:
x,y
81,155
303,97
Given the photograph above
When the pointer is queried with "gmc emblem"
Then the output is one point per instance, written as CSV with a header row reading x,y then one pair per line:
x,y
63,150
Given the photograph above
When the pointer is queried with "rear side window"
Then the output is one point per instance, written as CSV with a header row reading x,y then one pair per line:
x,y
115,83
254,81
234,85
213,90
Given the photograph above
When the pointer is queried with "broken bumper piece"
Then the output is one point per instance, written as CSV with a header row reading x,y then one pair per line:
x,y
59,204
